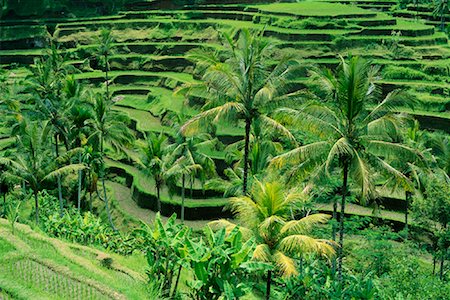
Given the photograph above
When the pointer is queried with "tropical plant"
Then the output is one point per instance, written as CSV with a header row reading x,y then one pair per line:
x,y
163,243
221,264
433,212
153,161
105,50
352,138
108,130
13,214
242,87
186,161
32,164
266,215
441,9
47,83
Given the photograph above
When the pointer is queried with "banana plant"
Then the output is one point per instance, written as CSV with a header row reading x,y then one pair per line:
x,y
221,263
162,243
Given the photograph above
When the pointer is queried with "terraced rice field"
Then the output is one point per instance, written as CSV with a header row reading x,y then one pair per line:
x,y
150,63
37,267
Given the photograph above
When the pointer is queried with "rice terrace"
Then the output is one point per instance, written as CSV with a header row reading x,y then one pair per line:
x,y
225,149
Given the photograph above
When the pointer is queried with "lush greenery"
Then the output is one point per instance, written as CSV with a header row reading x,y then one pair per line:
x,y
224,151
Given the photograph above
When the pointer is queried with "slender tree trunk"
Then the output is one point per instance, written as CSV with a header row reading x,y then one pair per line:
x,y
58,178
90,200
4,204
407,200
333,232
36,204
107,205
174,292
248,124
333,228
158,197
434,263
341,221
182,196
80,174
106,76
441,267
192,186
268,284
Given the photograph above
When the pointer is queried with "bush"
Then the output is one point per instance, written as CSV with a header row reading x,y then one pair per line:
x,y
395,72
86,229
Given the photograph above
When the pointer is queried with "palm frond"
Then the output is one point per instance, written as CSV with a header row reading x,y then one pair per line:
x,y
285,264
304,225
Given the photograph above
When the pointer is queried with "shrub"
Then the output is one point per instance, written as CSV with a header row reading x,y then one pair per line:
x,y
395,72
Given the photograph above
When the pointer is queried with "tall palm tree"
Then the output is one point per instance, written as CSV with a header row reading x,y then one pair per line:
x,y
441,9
242,87
187,162
153,161
109,129
32,163
352,137
266,215
48,82
78,115
105,50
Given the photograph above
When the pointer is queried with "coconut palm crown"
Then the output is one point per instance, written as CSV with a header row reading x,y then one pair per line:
x,y
243,86
266,215
356,134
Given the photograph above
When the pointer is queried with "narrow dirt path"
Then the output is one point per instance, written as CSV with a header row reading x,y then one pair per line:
x,y
124,199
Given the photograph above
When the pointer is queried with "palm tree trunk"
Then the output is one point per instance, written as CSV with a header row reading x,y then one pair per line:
x,y
333,228
333,232
36,204
192,186
248,124
4,204
61,204
182,197
106,76
90,200
407,198
158,197
79,186
434,263
268,284
341,221
107,205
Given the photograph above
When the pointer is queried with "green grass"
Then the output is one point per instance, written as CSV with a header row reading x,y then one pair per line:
x,y
313,9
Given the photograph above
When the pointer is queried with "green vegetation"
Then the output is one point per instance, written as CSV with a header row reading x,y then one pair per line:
x,y
272,130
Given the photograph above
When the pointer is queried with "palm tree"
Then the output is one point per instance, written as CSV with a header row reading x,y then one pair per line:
x,y
48,82
105,51
32,163
77,116
185,160
262,151
153,161
414,170
352,137
441,8
440,146
243,87
266,215
109,128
